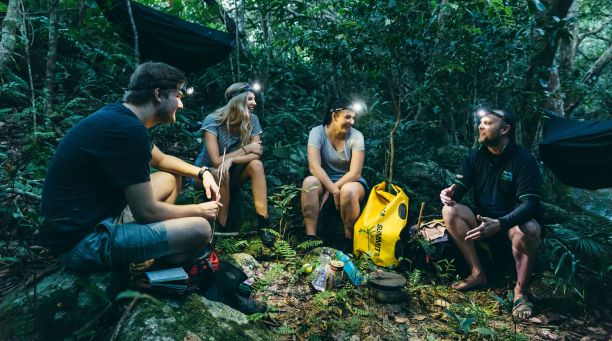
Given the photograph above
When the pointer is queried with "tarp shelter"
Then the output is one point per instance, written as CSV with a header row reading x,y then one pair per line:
x,y
578,152
166,38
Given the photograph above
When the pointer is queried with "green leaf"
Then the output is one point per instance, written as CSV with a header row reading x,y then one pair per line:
x,y
135,294
560,263
466,323
453,316
482,331
540,7
8,259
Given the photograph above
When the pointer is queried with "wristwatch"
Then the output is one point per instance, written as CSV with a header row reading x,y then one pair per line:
x,y
202,171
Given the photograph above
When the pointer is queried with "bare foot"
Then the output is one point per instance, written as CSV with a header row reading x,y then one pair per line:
x,y
471,282
523,309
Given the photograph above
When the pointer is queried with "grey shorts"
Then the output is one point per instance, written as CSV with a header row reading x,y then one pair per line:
x,y
116,242
361,181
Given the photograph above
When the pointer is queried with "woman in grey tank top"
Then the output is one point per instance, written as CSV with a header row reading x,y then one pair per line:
x,y
336,154
235,130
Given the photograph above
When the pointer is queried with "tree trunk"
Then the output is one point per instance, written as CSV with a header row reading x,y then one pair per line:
x,y
9,25
539,70
567,50
238,47
590,78
595,71
27,44
134,32
51,56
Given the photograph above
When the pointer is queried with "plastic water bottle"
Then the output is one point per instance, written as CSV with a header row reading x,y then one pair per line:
x,y
320,282
354,275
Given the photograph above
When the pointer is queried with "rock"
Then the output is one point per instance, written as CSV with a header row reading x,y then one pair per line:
x,y
68,305
55,308
194,316
248,264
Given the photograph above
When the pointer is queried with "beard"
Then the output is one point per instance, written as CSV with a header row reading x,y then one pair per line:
x,y
165,115
490,141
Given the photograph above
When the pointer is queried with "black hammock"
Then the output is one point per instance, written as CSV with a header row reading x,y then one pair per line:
x,y
578,152
166,38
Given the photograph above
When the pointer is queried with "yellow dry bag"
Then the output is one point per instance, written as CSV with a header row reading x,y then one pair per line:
x,y
378,228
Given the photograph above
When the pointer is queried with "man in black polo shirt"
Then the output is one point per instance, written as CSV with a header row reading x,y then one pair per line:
x,y
507,188
103,208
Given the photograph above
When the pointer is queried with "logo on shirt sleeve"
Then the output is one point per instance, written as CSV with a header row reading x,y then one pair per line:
x,y
506,176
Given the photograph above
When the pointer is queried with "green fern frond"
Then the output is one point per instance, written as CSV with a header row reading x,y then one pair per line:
x,y
591,247
309,244
360,312
414,279
285,330
286,251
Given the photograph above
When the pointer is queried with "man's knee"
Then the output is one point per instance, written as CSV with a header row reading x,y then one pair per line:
x,y
530,231
198,231
167,178
457,215
204,231
451,213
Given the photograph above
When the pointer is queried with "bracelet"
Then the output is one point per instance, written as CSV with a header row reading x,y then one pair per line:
x,y
245,151
202,171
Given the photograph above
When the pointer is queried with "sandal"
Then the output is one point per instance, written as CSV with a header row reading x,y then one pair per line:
x,y
522,309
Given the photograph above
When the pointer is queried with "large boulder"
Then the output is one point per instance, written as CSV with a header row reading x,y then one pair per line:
x,y
68,305
193,317
60,306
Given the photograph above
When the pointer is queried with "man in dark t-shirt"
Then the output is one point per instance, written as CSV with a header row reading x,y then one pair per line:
x,y
102,207
507,189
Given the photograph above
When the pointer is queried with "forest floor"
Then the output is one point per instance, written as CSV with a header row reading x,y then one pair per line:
x,y
430,312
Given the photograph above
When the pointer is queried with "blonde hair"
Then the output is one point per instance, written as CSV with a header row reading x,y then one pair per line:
x,y
236,113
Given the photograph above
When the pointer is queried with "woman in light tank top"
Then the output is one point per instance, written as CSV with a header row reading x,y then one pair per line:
x,y
336,154
235,130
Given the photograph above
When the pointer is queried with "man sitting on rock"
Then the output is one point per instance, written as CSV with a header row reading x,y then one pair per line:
x,y
103,208
507,189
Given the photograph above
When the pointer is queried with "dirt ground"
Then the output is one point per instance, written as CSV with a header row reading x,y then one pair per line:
x,y
429,311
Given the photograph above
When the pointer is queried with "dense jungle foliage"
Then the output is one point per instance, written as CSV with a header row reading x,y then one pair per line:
x,y
421,67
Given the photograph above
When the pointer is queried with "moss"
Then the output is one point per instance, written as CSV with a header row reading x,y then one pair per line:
x,y
194,315
59,305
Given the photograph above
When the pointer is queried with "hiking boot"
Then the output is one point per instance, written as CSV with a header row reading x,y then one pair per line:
x,y
248,306
267,238
219,292
311,237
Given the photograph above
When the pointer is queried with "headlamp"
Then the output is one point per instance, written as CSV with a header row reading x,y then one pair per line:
x,y
483,111
355,107
255,87
187,91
